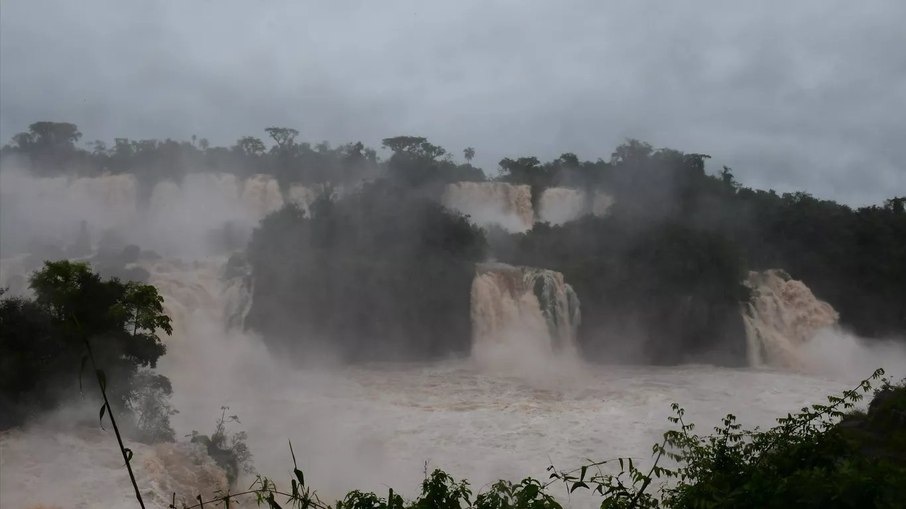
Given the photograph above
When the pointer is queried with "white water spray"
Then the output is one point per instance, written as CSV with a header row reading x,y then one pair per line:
x,y
783,316
521,313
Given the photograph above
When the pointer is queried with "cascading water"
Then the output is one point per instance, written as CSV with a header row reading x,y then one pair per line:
x,y
781,318
500,203
522,311
261,195
559,205
510,206
304,196
601,203
105,202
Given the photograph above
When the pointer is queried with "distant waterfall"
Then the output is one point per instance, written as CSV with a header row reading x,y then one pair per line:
x,y
261,194
500,203
510,206
782,317
303,196
559,205
48,210
519,311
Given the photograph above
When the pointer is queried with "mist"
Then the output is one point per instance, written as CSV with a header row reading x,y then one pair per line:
x,y
403,237
509,410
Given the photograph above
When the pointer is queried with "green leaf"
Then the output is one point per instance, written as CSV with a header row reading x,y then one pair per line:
x,y
292,453
578,485
272,503
101,415
128,452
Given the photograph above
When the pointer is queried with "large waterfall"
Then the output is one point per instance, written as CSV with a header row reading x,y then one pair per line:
x,y
522,311
782,317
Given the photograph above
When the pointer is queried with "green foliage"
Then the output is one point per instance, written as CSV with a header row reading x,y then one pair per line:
x,y
415,162
148,403
49,148
42,344
810,459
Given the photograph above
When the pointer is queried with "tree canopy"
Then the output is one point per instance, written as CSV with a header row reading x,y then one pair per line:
x,y
42,342
374,275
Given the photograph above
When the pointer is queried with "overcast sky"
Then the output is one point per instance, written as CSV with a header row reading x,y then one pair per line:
x,y
793,95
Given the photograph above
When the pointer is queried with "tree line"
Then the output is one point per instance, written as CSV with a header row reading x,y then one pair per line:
x,y
664,268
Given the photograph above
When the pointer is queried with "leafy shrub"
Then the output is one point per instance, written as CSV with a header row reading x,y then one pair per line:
x,y
43,343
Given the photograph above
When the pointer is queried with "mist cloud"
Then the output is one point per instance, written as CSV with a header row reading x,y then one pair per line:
x,y
804,96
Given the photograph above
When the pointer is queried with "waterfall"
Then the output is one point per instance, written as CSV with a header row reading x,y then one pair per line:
x,y
506,205
510,206
261,195
522,311
304,196
50,209
214,289
238,281
559,205
601,203
782,317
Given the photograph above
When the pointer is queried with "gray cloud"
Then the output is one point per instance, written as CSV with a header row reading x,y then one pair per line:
x,y
803,95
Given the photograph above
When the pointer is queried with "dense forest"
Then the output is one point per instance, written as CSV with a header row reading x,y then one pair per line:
x,y
387,269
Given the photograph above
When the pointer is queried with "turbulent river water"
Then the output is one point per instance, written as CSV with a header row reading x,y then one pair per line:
x,y
373,426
